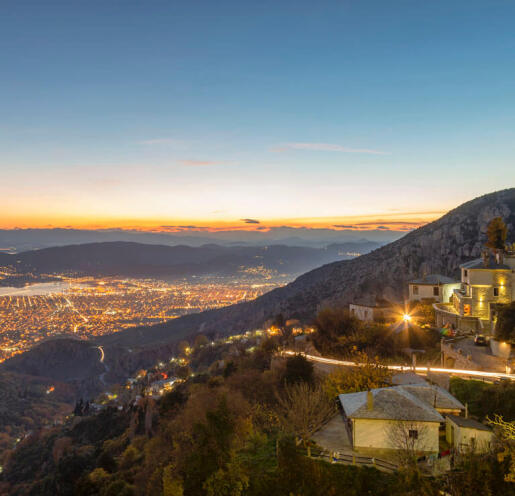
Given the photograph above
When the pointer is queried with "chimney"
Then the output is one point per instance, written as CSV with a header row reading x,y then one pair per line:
x,y
370,400
486,258
466,410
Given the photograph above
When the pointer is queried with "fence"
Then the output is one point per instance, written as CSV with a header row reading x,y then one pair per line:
x,y
349,459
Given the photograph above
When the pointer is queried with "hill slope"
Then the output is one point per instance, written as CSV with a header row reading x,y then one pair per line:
x,y
136,259
439,247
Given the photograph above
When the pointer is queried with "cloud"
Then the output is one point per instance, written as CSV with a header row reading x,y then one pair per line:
x,y
325,147
383,228
159,141
198,163
344,226
250,221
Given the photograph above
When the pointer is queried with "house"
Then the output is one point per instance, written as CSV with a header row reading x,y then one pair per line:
x,y
485,283
388,418
370,311
435,396
465,434
432,287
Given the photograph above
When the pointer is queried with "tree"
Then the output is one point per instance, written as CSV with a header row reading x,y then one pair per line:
x,y
505,326
201,341
408,438
506,432
298,369
496,233
172,486
304,409
228,481
366,375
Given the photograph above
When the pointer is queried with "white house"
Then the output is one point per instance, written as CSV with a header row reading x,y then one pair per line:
x,y
371,311
432,287
387,418
465,434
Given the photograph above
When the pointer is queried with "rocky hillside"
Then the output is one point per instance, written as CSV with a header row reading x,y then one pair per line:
x,y
439,247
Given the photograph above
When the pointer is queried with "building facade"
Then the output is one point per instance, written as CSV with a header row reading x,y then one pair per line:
x,y
432,287
485,284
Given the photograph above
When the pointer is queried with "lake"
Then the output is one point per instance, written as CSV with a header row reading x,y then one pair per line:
x,y
38,289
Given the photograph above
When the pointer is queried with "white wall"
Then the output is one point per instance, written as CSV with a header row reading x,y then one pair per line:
x,y
466,438
425,291
379,434
362,312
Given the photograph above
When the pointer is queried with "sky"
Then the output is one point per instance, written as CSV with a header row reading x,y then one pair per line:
x,y
244,114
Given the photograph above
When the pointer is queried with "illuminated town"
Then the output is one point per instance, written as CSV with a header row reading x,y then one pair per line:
x,y
87,307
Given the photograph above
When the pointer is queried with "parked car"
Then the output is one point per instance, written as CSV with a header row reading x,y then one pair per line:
x,y
480,340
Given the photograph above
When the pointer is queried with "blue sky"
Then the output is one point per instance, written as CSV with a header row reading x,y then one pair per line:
x,y
140,113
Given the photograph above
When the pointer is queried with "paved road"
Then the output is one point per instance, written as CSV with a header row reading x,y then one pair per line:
x,y
422,370
482,355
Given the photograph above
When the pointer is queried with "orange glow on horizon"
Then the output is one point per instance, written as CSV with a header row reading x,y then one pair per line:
x,y
398,221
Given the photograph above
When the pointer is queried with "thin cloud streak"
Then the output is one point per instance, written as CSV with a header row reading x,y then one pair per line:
x,y
159,141
198,163
326,147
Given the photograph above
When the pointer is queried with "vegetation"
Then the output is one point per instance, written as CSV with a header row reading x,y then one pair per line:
x,y
230,430
304,409
496,233
484,399
505,326
368,375
341,335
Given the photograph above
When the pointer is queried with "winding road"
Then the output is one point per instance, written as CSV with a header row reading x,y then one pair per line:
x,y
407,368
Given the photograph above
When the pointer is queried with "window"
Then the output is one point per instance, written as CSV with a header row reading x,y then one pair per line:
x,y
465,273
436,291
413,434
496,291
415,290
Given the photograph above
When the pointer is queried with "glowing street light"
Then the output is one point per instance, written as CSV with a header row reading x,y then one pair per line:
x,y
406,317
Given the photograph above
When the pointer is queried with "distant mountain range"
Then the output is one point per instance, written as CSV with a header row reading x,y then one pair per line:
x,y
149,260
18,240
438,247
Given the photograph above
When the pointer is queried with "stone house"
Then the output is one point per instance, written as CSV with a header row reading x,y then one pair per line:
x,y
485,284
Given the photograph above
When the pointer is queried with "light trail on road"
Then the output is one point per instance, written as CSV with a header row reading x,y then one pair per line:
x,y
407,368
102,354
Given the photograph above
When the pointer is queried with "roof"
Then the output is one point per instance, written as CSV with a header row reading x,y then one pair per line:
x,y
402,378
433,279
434,396
479,264
390,403
468,423
372,302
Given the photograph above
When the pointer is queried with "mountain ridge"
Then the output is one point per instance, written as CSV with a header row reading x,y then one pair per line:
x,y
438,247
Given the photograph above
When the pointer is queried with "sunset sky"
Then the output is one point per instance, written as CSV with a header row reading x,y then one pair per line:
x,y
243,115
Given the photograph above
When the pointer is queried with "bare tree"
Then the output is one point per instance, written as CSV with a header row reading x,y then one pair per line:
x,y
304,409
408,438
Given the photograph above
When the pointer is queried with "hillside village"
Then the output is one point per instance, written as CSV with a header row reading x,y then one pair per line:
x,y
420,387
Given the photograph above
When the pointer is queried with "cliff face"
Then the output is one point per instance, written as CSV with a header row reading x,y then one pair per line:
x,y
438,247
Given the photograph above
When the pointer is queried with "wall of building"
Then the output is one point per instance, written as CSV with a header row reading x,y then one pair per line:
x,y
382,434
425,292
362,312
501,349
465,438
447,290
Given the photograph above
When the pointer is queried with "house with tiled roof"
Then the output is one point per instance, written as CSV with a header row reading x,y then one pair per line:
x,y
486,283
432,287
376,419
